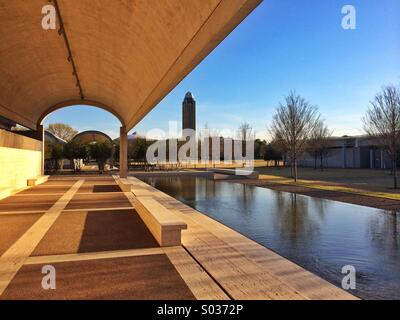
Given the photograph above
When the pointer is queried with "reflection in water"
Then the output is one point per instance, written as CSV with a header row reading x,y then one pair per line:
x,y
292,220
320,235
384,231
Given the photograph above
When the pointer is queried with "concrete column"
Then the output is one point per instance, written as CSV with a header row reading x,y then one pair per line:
x,y
40,136
123,152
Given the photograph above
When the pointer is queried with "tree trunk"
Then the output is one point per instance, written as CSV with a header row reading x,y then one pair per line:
x,y
295,168
292,168
315,160
395,172
72,165
322,162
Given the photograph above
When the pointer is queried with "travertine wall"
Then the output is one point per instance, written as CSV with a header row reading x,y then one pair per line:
x,y
20,159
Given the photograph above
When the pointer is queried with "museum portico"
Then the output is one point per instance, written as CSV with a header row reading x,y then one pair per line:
x,y
123,57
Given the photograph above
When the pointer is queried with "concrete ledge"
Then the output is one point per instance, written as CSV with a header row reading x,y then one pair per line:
x,y
220,174
162,223
36,181
124,184
5,192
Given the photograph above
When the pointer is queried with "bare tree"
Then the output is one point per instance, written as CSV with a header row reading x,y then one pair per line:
x,y
273,152
281,149
382,122
62,130
245,133
293,124
319,142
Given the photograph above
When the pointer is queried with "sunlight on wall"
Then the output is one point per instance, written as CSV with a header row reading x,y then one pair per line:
x,y
20,159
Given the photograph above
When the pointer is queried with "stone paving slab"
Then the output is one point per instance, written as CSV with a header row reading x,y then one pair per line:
x,y
95,231
140,277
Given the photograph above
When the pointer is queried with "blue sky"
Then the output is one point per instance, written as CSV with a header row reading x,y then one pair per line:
x,y
283,45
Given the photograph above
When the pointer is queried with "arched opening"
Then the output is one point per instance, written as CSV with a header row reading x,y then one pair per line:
x,y
100,150
72,103
82,138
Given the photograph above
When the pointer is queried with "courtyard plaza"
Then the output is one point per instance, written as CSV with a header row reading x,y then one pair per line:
x,y
88,229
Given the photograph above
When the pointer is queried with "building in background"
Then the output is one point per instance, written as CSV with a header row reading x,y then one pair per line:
x,y
52,138
189,112
351,152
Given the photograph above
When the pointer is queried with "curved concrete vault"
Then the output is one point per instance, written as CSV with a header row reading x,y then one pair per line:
x,y
123,56
91,136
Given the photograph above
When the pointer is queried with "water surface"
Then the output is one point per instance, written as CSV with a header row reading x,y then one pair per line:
x,y
320,235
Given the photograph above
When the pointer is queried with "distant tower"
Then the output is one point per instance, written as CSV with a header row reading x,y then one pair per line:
x,y
189,112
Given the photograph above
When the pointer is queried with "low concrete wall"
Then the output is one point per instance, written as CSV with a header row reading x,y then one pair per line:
x,y
226,174
20,159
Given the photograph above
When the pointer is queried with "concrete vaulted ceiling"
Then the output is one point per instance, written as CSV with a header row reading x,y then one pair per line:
x,y
128,54
91,136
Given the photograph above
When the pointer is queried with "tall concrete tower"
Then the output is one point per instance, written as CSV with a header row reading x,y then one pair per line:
x,y
189,112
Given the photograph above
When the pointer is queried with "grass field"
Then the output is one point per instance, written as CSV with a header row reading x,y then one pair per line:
x,y
373,180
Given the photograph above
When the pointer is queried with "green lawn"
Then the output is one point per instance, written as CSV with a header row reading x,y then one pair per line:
x,y
375,180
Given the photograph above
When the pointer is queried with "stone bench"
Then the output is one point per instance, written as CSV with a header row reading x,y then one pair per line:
x,y
130,185
162,223
37,180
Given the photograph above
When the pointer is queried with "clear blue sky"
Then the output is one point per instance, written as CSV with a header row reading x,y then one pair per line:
x,y
283,45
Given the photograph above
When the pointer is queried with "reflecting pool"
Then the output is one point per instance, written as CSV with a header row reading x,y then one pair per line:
x,y
320,235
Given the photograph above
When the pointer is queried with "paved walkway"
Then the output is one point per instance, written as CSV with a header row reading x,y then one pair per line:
x,y
88,229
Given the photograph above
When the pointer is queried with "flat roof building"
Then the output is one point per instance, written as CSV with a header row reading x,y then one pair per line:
x,y
351,152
